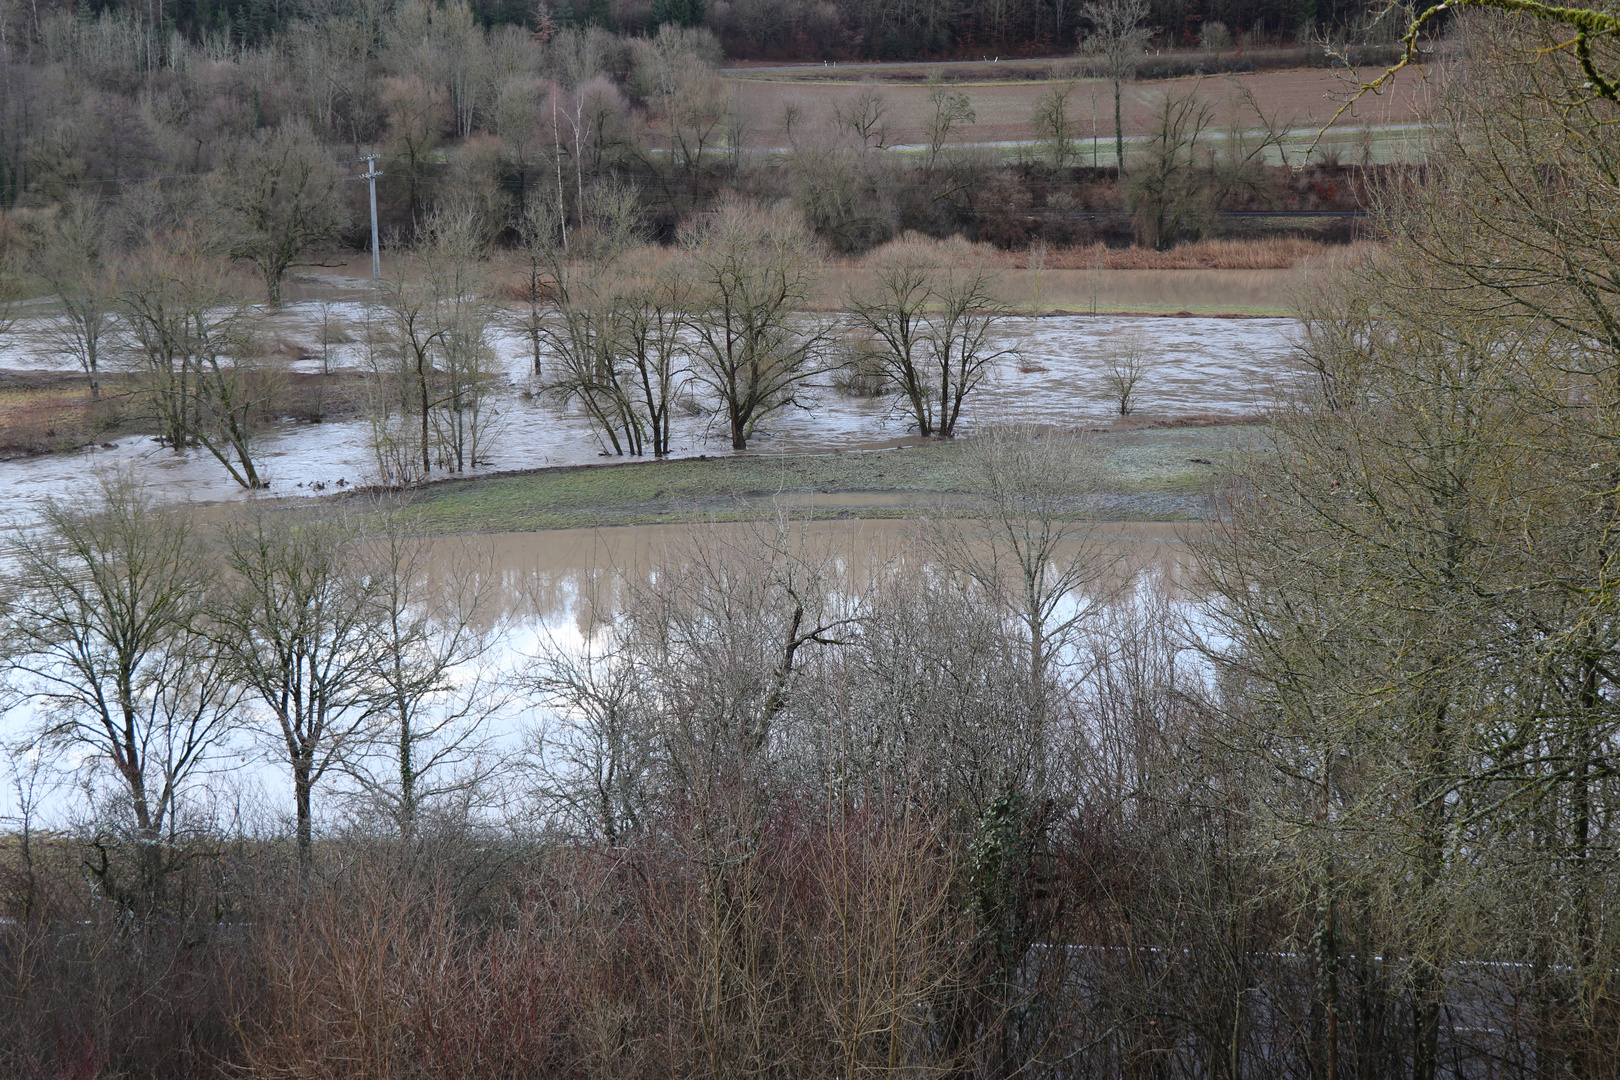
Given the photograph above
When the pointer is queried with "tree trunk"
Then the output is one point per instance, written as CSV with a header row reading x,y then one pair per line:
x,y
422,387
1119,131
303,786
407,777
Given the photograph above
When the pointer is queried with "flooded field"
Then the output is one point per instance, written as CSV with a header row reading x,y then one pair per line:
x,y
1104,292
1215,369
553,591
560,577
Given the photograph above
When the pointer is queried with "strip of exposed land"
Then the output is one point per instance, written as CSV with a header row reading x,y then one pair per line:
x,y
1162,474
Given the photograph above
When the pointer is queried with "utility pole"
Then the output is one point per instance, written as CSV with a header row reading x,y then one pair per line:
x,y
372,175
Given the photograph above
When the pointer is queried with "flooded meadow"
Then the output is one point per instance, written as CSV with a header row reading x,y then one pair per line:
x,y
1206,370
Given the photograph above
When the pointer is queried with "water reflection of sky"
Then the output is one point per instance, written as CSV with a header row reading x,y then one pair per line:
x,y
1200,366
559,590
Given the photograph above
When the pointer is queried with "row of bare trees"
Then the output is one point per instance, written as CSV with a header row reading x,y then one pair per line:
x,y
153,641
631,335
171,313
974,809
798,821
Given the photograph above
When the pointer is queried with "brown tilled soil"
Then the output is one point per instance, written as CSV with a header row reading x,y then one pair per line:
x,y
1276,253
1300,98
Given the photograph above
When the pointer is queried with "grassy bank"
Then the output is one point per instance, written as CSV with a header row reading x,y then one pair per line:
x,y
1149,475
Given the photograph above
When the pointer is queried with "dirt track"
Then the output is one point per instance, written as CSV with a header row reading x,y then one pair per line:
x,y
1302,98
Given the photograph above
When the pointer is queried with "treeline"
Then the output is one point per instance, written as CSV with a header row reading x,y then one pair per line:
x,y
918,29
115,107
760,29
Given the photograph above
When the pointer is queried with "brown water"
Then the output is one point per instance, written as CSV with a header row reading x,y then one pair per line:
x,y
559,577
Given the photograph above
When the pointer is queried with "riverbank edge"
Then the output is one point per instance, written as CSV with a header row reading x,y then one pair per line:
x,y
1164,474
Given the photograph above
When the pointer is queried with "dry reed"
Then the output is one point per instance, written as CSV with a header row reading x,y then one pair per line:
x,y
1276,253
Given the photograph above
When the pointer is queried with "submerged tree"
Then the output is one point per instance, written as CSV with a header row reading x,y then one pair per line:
x,y
754,345
185,320
435,372
614,320
932,329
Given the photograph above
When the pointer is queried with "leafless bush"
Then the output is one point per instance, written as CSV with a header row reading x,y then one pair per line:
x,y
1125,366
857,370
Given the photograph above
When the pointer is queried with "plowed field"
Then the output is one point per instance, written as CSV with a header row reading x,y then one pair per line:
x,y
1303,98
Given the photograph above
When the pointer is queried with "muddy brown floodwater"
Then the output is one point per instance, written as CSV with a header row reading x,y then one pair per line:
x,y
559,579
1221,370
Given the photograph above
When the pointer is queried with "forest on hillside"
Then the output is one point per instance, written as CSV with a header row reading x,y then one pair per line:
x,y
160,128
750,29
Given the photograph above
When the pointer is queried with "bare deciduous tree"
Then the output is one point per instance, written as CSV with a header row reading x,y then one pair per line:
x,y
614,326
298,629
843,182
1430,691
1182,183
1125,365
279,203
1118,38
69,257
436,373
109,635
193,337
932,328
432,692
675,74
754,344
1053,125
595,760
1033,548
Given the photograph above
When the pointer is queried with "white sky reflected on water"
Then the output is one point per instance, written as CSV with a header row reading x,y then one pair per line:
x,y
550,586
